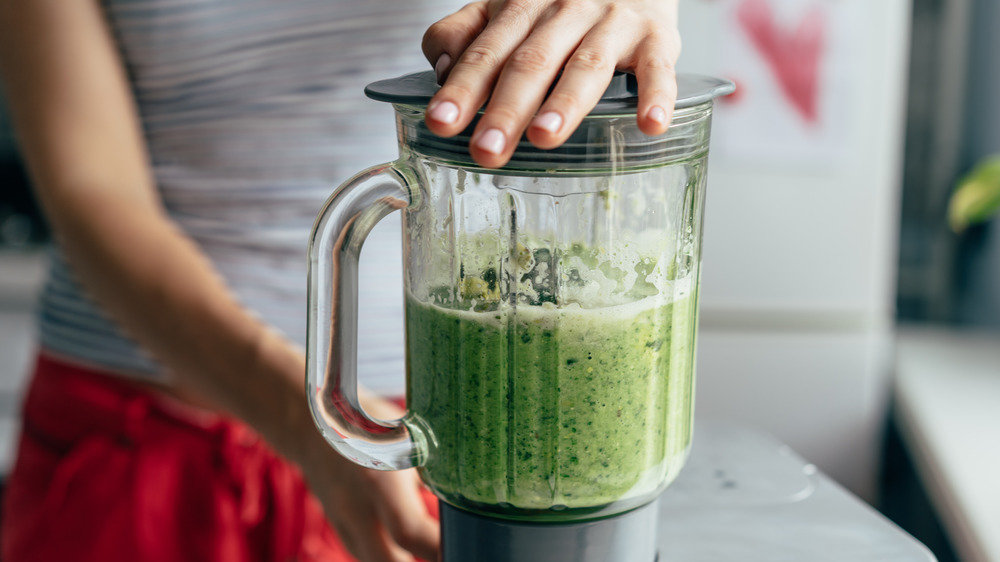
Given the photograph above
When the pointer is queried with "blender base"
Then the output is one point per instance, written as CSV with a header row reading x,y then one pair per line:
x,y
630,536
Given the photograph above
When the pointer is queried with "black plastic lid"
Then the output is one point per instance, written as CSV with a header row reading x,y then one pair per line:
x,y
608,140
620,97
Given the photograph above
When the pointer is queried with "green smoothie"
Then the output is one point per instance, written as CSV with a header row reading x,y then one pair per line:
x,y
539,409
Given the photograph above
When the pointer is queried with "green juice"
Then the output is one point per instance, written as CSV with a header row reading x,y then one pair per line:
x,y
539,410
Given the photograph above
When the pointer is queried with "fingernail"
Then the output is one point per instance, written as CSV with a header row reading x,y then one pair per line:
x,y
657,114
550,121
442,64
491,141
444,112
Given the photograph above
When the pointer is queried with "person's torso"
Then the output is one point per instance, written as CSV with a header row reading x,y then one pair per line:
x,y
253,112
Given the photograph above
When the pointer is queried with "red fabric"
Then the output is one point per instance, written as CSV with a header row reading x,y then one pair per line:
x,y
109,472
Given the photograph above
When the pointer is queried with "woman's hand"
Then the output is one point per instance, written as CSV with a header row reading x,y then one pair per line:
x,y
380,516
511,52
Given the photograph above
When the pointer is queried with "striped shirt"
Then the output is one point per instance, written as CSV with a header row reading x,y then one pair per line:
x,y
253,113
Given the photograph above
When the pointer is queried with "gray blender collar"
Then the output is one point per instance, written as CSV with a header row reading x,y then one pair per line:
x,y
621,96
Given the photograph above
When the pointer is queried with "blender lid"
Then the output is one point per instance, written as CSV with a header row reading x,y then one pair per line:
x,y
620,97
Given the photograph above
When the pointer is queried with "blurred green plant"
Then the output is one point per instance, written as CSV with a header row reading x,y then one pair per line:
x,y
977,195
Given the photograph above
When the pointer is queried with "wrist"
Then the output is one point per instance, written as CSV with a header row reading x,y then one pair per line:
x,y
270,396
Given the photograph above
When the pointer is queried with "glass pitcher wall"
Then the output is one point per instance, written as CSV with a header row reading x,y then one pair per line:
x,y
550,333
551,311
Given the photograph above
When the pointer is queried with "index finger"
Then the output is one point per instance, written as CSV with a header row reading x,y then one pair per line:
x,y
472,78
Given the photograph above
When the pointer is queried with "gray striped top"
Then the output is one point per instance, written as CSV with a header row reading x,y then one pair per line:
x,y
253,112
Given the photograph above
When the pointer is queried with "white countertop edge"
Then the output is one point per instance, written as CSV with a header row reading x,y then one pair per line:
x,y
953,493
960,529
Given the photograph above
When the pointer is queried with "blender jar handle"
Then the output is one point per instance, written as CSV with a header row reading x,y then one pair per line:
x,y
332,339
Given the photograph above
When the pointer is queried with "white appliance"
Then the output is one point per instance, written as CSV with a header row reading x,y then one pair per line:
x,y
800,237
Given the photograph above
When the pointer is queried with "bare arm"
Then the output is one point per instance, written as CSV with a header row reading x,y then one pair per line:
x,y
79,133
81,138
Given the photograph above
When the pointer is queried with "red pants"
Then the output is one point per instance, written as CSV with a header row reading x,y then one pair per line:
x,y
108,471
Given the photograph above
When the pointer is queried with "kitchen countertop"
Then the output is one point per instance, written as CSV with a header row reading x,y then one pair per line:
x,y
948,394
743,495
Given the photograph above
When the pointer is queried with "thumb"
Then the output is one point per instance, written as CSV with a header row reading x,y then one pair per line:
x,y
445,41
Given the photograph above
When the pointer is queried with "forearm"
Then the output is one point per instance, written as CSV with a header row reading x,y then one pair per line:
x,y
82,141
156,283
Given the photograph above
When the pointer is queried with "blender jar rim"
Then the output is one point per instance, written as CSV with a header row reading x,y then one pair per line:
x,y
601,145
620,97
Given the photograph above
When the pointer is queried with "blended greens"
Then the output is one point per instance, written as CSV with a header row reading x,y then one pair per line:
x,y
559,410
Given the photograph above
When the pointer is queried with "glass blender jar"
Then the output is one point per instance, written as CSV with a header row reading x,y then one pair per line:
x,y
551,315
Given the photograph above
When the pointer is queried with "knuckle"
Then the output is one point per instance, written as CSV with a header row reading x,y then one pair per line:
x,y
480,57
448,32
656,64
436,32
519,8
573,6
665,40
589,60
567,102
530,59
621,15
502,113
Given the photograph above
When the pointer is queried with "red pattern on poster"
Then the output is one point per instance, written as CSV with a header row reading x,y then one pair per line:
x,y
793,55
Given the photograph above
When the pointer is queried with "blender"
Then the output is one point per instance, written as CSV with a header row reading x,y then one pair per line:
x,y
551,315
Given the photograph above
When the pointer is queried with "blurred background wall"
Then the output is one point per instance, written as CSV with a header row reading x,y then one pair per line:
x,y
802,220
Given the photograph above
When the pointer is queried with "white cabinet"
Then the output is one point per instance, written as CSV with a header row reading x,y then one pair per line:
x,y
801,220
